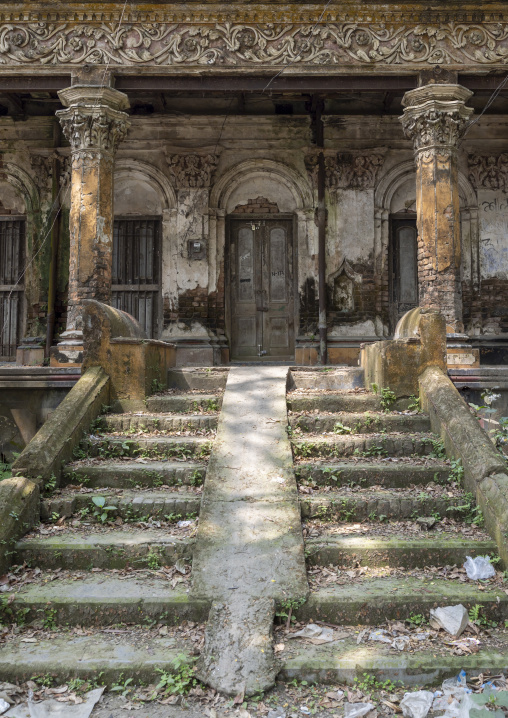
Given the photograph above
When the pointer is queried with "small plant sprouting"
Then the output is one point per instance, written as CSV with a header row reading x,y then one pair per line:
x,y
180,681
340,428
414,403
387,396
438,449
101,512
287,608
457,472
416,619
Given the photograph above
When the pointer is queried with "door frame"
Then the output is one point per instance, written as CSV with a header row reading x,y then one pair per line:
x,y
392,268
285,216
149,217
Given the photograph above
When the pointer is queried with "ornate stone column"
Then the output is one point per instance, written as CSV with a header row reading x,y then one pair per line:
x,y
435,117
94,124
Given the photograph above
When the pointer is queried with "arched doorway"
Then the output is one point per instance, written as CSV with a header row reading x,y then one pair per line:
x,y
262,243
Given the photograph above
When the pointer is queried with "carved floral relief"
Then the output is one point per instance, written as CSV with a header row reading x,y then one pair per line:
x,y
489,171
191,170
235,44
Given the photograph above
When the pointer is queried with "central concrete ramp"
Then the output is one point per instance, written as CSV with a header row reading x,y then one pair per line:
x,y
249,551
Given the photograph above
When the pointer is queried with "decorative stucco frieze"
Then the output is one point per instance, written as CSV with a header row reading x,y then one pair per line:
x,y
489,171
191,170
355,171
42,168
238,44
346,170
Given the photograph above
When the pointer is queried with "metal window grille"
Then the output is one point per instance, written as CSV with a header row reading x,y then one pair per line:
x,y
12,256
136,270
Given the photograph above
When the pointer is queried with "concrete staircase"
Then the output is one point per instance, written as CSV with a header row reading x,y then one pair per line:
x,y
385,523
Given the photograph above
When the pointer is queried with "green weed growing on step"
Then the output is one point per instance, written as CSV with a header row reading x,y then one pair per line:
x,y
46,680
332,474
122,687
49,618
340,428
414,403
5,470
438,449
416,619
101,512
157,386
50,485
181,679
153,560
287,608
477,616
369,684
456,474
469,512
212,405
387,396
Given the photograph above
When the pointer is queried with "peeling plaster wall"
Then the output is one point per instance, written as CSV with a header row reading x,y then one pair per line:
x,y
271,151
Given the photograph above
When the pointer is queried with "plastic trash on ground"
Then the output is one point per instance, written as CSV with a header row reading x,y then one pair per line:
x,y
416,705
479,567
53,709
401,643
379,635
316,634
453,619
356,710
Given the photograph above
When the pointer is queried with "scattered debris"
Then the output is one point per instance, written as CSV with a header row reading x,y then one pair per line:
x,y
356,710
315,634
426,522
416,705
277,713
453,619
479,568
53,708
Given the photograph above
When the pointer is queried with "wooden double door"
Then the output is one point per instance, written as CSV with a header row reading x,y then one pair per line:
x,y
261,289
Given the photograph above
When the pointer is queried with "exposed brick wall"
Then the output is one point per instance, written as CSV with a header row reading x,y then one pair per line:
x,y
197,305
260,205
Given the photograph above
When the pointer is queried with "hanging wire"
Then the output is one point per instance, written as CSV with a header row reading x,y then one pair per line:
x,y
490,102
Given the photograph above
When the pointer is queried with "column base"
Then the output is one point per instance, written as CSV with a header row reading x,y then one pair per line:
x,y
69,351
31,351
201,351
460,353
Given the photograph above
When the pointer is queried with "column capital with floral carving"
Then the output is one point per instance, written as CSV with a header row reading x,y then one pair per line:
x,y
435,116
93,120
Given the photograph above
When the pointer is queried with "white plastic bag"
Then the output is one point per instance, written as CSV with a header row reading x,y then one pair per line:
x,y
356,710
479,567
416,705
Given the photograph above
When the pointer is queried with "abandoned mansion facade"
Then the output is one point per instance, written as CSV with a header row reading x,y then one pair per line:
x,y
253,181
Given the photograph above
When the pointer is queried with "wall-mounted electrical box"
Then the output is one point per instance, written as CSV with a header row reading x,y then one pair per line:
x,y
197,249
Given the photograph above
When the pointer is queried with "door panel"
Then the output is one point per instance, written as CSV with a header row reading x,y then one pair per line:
x,y
404,243
261,285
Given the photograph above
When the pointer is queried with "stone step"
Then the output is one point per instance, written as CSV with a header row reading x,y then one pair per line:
x,y
113,657
101,600
344,661
336,402
327,379
149,423
132,474
363,445
198,379
403,552
390,474
116,656
184,403
183,447
130,504
373,601
365,423
377,506
114,549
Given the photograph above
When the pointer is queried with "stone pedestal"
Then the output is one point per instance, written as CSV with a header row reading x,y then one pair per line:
x,y
30,352
94,123
435,117
460,353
